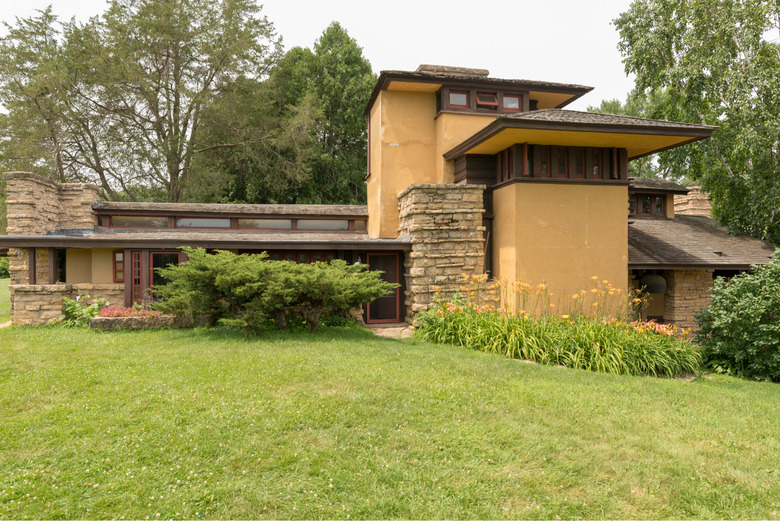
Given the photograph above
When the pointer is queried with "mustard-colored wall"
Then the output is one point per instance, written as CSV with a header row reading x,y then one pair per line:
x,y
102,266
78,266
451,130
561,234
670,206
406,147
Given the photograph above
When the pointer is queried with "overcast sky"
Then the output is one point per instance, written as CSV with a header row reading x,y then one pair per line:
x,y
569,41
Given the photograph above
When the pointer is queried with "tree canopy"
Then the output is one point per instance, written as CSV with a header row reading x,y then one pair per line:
x,y
716,62
119,100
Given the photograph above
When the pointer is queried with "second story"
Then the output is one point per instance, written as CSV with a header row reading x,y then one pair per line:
x,y
444,125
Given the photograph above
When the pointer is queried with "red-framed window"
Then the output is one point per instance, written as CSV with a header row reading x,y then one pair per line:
x,y
558,162
647,205
459,99
596,167
512,103
119,265
487,100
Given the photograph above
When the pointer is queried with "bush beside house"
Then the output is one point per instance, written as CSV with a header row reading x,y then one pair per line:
x,y
740,330
250,292
4,272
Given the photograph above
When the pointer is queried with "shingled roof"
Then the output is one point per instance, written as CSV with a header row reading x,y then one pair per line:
x,y
691,242
650,184
319,210
597,119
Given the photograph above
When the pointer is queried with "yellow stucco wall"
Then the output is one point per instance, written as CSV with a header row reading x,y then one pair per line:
x,y
78,266
561,234
670,206
102,266
406,147
451,130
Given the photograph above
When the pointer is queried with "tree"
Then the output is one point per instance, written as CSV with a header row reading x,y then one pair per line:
x,y
132,86
638,105
713,64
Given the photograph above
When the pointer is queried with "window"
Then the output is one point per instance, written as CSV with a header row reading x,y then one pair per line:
x,y
487,100
647,205
512,103
596,170
323,224
559,162
459,99
119,265
139,221
274,224
192,222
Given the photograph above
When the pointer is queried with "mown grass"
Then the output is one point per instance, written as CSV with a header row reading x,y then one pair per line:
x,y
5,301
340,424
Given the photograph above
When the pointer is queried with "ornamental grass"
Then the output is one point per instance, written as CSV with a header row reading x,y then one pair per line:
x,y
591,329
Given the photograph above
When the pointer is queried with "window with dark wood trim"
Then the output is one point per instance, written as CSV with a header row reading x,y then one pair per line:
x,y
459,99
119,265
596,169
487,100
647,205
558,162
512,103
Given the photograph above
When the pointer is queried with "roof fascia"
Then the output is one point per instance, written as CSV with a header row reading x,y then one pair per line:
x,y
500,124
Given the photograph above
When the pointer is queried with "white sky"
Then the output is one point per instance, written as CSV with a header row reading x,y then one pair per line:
x,y
569,41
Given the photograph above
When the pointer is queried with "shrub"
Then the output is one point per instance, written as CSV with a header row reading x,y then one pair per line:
x,y
740,329
4,270
77,312
247,290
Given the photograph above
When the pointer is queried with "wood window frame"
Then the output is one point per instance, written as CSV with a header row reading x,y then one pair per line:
x,y
639,197
118,273
519,97
450,104
491,101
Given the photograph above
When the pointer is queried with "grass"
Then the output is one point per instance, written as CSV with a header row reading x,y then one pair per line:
x,y
5,302
340,424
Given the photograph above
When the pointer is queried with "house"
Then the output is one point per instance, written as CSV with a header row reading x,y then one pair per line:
x,y
466,174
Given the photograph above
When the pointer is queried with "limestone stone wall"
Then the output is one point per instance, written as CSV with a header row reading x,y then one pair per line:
x,y
447,239
38,304
694,203
18,266
687,292
37,205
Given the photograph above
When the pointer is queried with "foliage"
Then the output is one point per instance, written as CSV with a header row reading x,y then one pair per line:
x,y
639,105
135,311
311,109
245,290
4,273
77,312
712,62
740,329
519,320
119,99
5,300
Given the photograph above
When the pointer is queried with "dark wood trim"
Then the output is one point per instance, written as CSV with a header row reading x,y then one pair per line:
x,y
52,241
31,267
690,266
563,180
128,278
503,123
52,266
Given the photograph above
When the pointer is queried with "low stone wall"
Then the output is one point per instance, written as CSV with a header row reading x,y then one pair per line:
x,y
695,202
687,293
447,240
34,305
163,321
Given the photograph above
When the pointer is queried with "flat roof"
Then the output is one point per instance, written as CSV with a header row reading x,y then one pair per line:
x,y
431,81
222,239
639,136
232,210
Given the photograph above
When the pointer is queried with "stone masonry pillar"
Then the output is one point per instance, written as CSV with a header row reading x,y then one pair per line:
x,y
687,293
447,240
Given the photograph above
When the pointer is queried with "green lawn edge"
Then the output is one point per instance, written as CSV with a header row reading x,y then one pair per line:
x,y
210,423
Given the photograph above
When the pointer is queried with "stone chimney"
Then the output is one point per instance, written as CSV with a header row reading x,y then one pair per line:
x,y
694,203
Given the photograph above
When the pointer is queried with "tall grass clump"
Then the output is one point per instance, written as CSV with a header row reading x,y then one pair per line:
x,y
587,330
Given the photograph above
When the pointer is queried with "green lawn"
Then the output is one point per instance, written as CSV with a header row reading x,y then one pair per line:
x,y
340,424
5,303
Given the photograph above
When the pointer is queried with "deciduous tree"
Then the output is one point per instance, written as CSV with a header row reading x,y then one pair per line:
x,y
716,62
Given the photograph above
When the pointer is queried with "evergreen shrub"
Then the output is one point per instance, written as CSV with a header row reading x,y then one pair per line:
x,y
249,290
4,270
